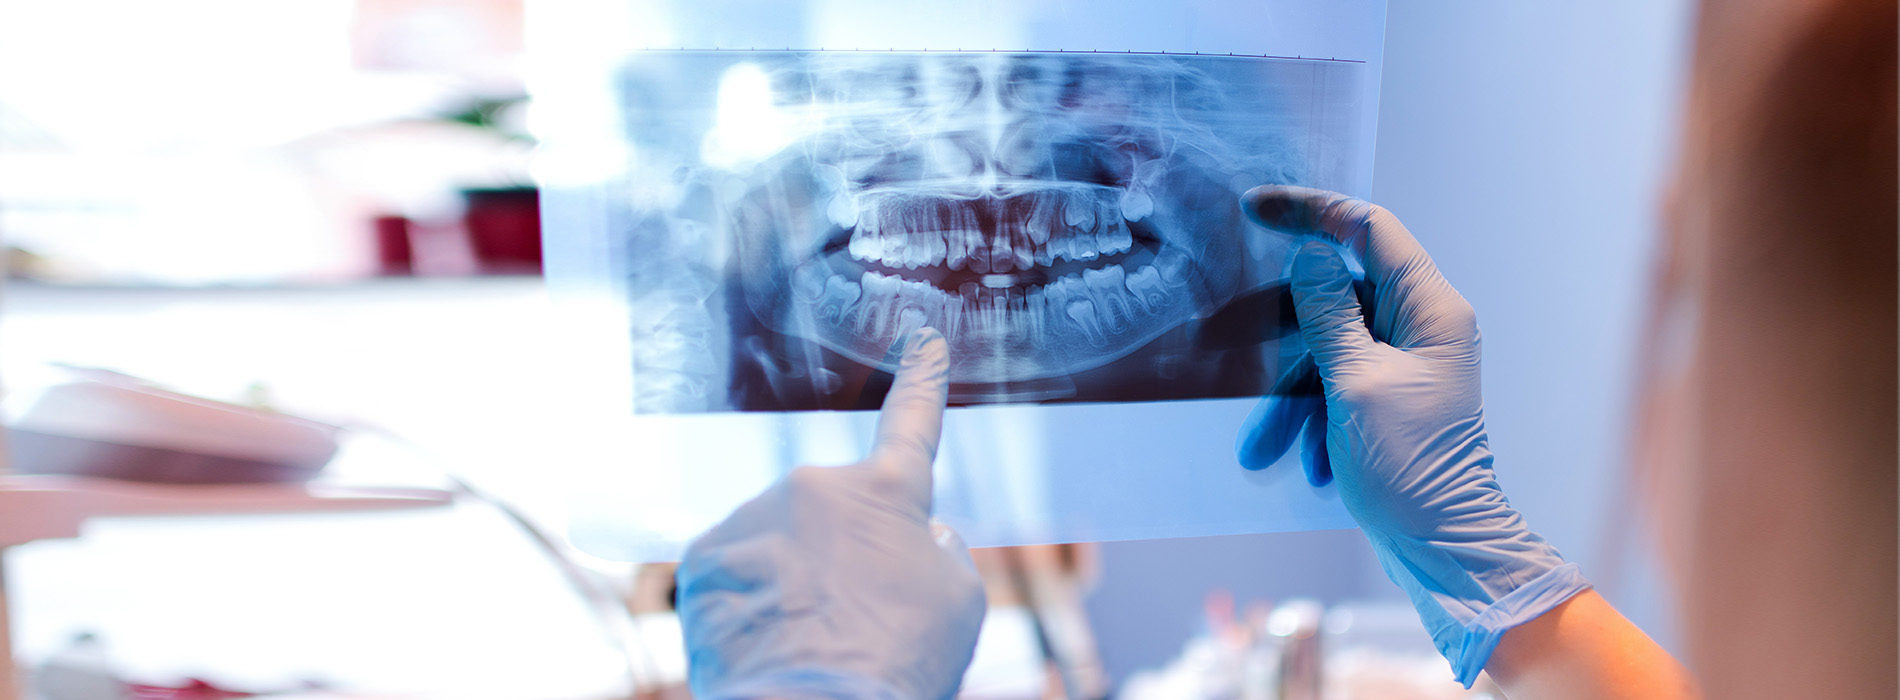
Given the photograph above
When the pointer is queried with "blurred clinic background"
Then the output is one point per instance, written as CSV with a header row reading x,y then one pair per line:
x,y
326,208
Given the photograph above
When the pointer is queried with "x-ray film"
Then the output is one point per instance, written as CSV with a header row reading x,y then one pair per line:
x,y
759,228
1068,221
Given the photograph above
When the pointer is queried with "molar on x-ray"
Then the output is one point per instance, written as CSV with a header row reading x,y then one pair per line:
x,y
1068,221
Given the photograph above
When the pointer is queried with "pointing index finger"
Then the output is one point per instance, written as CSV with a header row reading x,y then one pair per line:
x,y
911,422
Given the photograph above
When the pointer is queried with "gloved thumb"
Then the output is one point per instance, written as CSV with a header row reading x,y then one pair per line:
x,y
1275,423
1328,311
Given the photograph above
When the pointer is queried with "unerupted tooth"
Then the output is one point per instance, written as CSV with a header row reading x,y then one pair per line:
x,y
1042,219
1078,211
1064,290
808,282
840,297
1053,250
1081,312
1056,295
1115,238
843,210
1173,265
1063,247
1145,285
1045,255
1137,205
1011,221
980,259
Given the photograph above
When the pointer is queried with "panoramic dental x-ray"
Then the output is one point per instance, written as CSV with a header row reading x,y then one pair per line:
x,y
1068,221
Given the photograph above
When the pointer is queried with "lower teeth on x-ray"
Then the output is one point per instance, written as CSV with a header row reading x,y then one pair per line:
x,y
1068,222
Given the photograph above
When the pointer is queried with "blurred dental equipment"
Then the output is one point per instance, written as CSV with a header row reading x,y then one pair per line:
x,y
100,423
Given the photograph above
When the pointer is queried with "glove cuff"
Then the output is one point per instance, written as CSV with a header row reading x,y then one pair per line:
x,y
1482,633
803,684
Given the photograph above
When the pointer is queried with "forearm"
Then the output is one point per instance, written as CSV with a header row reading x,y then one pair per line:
x,y
1584,648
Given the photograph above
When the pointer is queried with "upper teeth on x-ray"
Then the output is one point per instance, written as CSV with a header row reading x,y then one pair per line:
x,y
1067,221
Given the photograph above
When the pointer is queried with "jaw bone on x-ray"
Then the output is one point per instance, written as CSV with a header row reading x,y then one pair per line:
x,y
1067,220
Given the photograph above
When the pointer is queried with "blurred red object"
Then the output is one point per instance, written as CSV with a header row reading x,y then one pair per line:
x,y
395,255
504,229
193,689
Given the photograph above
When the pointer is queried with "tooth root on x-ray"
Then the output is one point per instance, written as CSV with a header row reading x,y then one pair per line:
x,y
1111,295
1115,238
1079,212
1082,313
1002,257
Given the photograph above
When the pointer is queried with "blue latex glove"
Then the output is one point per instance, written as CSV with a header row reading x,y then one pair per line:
x,y
1403,427
833,583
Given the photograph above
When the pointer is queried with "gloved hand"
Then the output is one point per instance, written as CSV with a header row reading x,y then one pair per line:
x,y
833,583
1403,427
